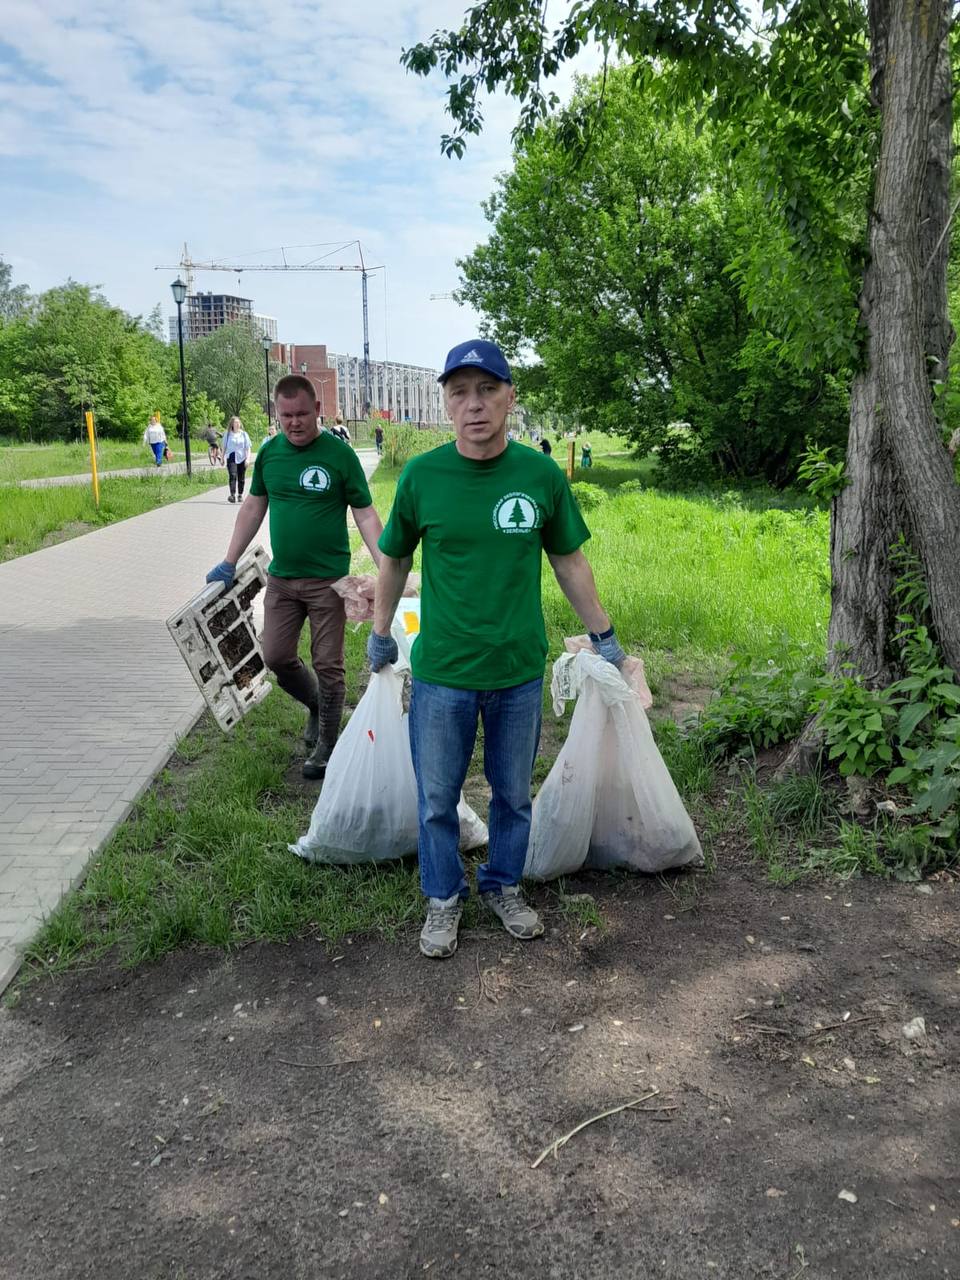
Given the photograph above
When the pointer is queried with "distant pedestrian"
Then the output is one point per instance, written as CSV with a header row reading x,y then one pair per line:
x,y
156,438
237,448
545,446
586,454
212,437
378,438
340,430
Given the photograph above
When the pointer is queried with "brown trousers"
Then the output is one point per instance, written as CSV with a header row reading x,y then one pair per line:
x,y
288,603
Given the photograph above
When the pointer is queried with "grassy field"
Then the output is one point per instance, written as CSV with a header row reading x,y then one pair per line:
x,y
204,858
33,518
35,461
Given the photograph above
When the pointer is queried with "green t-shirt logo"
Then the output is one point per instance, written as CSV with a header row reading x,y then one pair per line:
x,y
316,479
516,513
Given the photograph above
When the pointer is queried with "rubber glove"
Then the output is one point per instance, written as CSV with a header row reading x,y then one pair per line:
x,y
608,646
223,572
381,650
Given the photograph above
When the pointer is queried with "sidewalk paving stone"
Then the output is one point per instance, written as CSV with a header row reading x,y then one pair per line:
x,y
93,693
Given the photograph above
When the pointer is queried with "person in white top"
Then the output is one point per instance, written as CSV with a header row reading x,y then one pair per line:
x,y
155,437
236,448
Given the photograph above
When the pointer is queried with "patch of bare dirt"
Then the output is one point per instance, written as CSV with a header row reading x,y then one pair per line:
x,y
294,1111
72,529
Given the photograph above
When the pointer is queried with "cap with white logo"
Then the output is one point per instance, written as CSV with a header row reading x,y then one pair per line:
x,y
477,354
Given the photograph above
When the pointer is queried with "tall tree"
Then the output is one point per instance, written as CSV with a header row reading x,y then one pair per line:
x,y
228,366
617,270
14,298
899,472
72,349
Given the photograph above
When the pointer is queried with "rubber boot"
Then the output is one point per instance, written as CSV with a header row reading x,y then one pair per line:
x,y
330,712
311,730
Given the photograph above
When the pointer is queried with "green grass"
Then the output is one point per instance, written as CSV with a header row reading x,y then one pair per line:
x,y
31,518
204,858
35,461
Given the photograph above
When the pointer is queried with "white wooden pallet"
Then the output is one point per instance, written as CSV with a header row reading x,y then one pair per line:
x,y
216,635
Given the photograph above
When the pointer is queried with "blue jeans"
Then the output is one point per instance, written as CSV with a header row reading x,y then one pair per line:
x,y
443,730
158,448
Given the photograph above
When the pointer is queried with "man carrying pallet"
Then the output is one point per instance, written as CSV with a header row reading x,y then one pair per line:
x,y
307,479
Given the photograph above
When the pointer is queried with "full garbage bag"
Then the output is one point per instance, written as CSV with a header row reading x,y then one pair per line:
x,y
367,810
609,800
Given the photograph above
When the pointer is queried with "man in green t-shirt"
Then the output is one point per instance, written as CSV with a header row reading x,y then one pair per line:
x,y
483,509
307,479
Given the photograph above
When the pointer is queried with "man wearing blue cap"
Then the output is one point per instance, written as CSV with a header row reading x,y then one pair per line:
x,y
484,509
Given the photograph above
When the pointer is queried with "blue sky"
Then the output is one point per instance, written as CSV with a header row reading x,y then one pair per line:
x,y
128,128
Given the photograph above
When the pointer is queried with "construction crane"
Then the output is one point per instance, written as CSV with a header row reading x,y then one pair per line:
x,y
188,267
440,297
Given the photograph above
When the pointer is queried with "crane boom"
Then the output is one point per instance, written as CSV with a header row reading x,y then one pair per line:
x,y
188,266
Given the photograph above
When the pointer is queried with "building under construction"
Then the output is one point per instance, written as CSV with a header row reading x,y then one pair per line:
x,y
205,312
398,392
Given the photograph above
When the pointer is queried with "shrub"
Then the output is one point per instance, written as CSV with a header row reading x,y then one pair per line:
x,y
402,441
589,496
760,703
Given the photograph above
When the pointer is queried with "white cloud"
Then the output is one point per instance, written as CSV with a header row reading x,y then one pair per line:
x,y
127,129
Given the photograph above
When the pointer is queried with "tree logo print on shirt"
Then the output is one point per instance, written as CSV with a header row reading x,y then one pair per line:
x,y
516,513
316,479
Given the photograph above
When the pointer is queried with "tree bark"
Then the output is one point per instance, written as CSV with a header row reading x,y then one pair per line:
x,y
900,477
907,169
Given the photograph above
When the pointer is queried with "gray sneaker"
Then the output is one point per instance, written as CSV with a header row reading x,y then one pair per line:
x,y
519,918
438,939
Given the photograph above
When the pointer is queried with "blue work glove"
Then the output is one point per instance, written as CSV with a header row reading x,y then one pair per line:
x,y
223,572
607,646
381,650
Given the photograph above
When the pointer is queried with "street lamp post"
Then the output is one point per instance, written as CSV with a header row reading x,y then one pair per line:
x,y
267,344
179,290
303,370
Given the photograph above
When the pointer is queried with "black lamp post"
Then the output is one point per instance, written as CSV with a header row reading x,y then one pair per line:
x,y
179,290
267,344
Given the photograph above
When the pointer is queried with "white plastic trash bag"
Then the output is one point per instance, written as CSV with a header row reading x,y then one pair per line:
x,y
367,810
609,800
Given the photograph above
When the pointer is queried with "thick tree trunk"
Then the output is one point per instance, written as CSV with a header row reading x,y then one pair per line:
x,y
900,476
938,332
916,31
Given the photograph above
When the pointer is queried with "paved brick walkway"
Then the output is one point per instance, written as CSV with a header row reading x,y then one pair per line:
x,y
93,692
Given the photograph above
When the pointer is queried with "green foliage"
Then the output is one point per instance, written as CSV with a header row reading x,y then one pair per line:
x,y
255,421
589,496
228,367
70,348
202,410
822,473
34,518
402,441
760,702
907,734
857,722
14,299
618,271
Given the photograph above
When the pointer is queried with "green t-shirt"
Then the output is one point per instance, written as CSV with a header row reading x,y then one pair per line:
x,y
483,526
309,490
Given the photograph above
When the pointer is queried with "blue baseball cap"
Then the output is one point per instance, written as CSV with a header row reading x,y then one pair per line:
x,y
477,354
